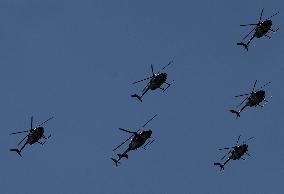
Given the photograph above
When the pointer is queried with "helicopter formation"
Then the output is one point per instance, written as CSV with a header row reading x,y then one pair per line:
x,y
253,99
142,138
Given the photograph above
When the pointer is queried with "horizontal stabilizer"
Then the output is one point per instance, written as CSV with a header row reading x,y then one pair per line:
x,y
220,165
235,112
115,161
137,96
243,44
16,150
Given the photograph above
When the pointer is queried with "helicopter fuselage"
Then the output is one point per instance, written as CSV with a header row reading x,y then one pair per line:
x,y
35,135
139,139
238,152
256,98
157,81
262,28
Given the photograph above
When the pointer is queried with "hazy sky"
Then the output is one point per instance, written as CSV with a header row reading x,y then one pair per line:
x,y
76,60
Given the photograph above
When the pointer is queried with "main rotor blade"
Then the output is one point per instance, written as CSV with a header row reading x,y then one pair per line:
x,y
226,155
127,131
238,139
242,95
242,102
249,33
152,69
166,66
261,14
45,121
149,121
142,80
254,85
122,143
264,85
22,140
272,15
32,118
151,141
249,139
148,143
248,24
247,154
19,132
223,148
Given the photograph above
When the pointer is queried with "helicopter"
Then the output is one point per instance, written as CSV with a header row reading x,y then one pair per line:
x,y
156,81
254,98
137,140
237,152
33,136
261,29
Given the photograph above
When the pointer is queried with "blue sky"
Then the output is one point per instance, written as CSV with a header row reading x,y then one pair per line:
x,y
76,61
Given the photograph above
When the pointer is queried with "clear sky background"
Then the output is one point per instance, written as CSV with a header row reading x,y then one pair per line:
x,y
76,60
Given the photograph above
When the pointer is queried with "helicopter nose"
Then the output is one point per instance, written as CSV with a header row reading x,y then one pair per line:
x,y
263,92
269,23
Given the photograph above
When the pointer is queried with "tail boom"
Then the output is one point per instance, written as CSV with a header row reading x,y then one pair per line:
x,y
120,156
124,155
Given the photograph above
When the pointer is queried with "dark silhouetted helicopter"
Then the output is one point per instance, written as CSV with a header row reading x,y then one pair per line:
x,y
237,152
156,81
33,136
254,98
261,29
137,140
